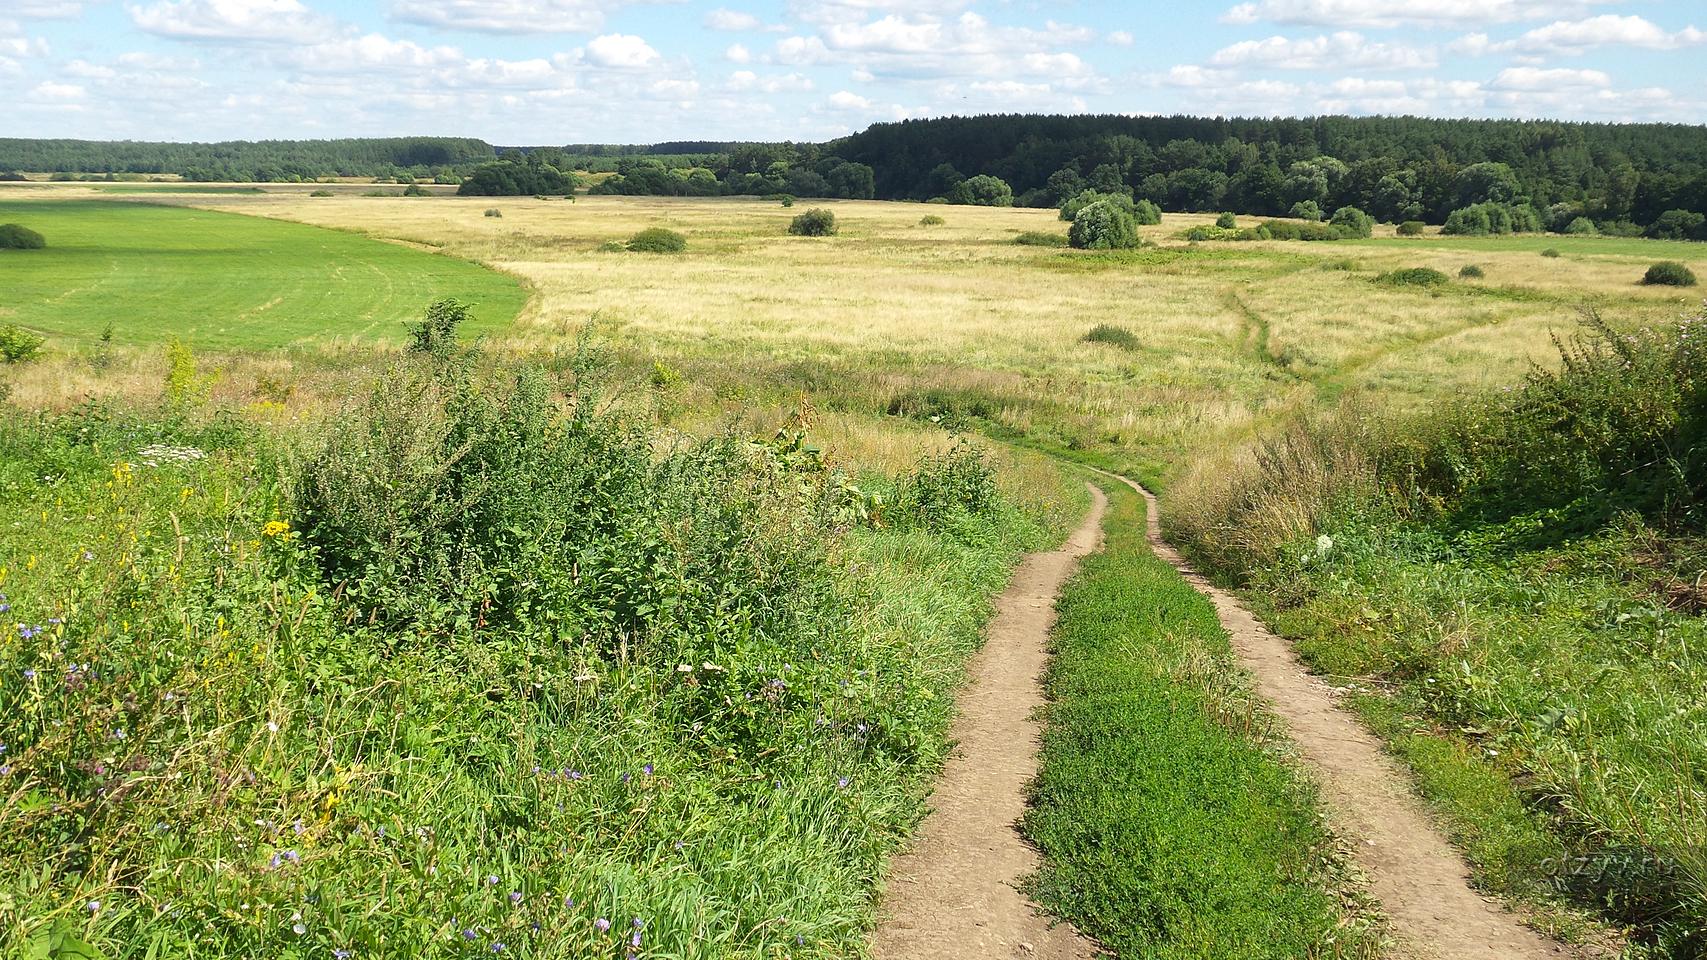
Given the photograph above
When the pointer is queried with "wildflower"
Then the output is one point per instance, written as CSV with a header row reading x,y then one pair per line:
x,y
638,923
568,903
298,929
339,953
469,934
841,783
29,674
515,896
601,924
492,880
277,529
627,777
94,906
497,947
647,769
5,769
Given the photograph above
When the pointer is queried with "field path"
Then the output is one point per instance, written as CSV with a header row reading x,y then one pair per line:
x,y
952,894
1420,879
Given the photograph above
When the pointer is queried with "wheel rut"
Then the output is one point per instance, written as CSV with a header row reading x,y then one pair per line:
x,y
954,892
1422,882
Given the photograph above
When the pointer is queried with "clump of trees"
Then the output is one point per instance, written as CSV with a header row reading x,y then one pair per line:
x,y
1411,228
816,222
516,176
15,236
1491,219
1104,225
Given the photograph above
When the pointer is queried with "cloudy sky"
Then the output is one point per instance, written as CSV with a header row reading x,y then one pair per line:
x,y
561,71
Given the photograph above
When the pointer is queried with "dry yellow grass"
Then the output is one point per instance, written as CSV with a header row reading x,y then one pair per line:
x,y
1230,336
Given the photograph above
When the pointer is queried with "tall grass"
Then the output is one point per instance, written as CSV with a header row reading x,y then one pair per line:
x,y
481,668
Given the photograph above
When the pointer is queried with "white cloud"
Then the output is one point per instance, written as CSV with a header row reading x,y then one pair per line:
x,y
725,19
1121,38
510,16
911,47
49,90
1342,50
1607,30
1392,13
621,51
45,9
272,20
1532,79
747,80
738,54
844,100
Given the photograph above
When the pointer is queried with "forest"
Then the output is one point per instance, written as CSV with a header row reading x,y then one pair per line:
x,y
1495,175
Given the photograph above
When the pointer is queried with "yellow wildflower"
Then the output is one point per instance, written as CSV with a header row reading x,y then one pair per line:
x,y
276,528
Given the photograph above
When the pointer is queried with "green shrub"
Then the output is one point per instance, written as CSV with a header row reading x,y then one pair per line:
x,y
816,222
1204,231
1306,210
1227,221
1551,253
1103,225
931,220
1353,222
1412,277
320,193
657,240
1146,213
1492,219
1669,273
436,332
1040,238
1411,228
1471,272
18,345
1679,225
787,200
1307,231
1071,206
943,489
17,237
1114,336
1343,264
1582,227
493,212
415,190
983,191
611,246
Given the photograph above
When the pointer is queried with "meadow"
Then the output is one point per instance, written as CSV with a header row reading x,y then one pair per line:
x,y
881,344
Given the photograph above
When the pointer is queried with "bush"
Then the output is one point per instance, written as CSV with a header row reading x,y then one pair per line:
x,y
493,212
1353,222
1204,231
1146,213
1293,230
1306,210
1103,225
1582,227
816,222
436,332
940,490
1412,277
415,190
18,345
1040,238
1471,272
1227,221
1411,228
931,220
983,191
17,237
1492,219
1551,253
1112,335
1669,273
657,240
320,193
1679,225
1072,205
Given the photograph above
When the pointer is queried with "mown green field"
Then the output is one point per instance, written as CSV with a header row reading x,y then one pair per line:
x,y
223,281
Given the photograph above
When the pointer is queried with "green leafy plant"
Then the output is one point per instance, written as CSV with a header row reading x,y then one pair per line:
x,y
493,212
18,345
931,220
1112,335
436,332
1412,277
1103,225
1411,228
18,237
1471,271
1227,221
1040,238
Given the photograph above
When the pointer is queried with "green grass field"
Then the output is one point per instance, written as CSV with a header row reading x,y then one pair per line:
x,y
223,281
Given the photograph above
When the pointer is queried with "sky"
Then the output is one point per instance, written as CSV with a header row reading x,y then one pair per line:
x,y
533,72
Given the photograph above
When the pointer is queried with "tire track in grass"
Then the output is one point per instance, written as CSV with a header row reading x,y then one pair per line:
x,y
1421,881
955,892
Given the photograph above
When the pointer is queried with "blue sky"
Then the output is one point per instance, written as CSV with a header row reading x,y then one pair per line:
x,y
559,71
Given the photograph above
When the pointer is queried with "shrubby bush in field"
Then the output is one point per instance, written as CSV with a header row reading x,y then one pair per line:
x,y
1412,277
1072,205
1411,228
1040,238
931,220
1492,219
657,240
1112,335
1679,225
17,237
816,222
1227,221
1353,222
1306,210
1582,227
1669,273
984,191
1103,225
1471,271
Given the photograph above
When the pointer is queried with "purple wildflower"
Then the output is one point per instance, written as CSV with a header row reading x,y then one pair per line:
x,y
29,674
841,783
601,924
469,934
340,954
492,880
497,947
647,769
515,896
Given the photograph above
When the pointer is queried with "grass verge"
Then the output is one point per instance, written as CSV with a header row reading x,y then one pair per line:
x,y
1169,824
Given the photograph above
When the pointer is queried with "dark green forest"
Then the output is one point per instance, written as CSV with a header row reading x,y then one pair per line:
x,y
1474,175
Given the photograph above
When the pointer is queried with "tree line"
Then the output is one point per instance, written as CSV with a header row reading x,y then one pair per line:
x,y
243,161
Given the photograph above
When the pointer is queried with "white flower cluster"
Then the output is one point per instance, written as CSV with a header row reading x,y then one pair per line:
x,y
159,453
